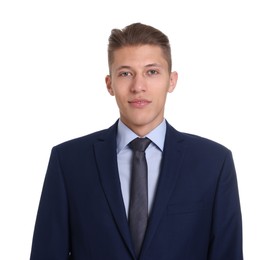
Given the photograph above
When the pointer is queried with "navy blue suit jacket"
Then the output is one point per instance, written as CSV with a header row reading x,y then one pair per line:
x,y
196,213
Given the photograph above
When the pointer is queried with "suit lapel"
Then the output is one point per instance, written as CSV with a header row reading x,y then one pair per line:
x,y
173,156
105,152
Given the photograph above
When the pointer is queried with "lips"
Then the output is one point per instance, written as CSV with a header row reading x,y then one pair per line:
x,y
139,103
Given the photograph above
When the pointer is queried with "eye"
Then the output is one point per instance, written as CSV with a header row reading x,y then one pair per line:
x,y
152,72
124,74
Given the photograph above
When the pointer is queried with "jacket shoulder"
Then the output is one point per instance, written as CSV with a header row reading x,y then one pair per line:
x,y
82,142
203,141
199,143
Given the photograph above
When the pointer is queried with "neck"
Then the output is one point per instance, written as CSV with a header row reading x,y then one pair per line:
x,y
142,130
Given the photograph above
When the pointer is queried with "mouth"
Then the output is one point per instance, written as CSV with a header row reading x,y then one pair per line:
x,y
139,103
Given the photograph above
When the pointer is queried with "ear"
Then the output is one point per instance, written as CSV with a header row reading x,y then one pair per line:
x,y
108,81
172,81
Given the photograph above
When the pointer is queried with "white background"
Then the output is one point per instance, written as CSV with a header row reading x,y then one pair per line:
x,y
52,67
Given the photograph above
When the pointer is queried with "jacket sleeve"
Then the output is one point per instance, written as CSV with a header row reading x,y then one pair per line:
x,y
226,233
51,233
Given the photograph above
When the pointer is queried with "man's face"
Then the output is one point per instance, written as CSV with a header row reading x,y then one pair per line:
x,y
140,81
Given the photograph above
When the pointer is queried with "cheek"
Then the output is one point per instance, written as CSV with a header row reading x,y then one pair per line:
x,y
162,94
120,100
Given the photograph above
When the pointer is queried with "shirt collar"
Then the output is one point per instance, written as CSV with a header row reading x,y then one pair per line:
x,y
125,135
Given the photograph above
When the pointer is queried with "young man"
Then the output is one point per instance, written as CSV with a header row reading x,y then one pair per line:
x,y
193,210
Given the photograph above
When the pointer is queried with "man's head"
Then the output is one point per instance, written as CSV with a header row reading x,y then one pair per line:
x,y
138,34
140,75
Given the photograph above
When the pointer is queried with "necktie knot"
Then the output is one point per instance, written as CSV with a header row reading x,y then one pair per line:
x,y
140,144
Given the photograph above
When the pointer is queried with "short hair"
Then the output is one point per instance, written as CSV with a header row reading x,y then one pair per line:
x,y
138,34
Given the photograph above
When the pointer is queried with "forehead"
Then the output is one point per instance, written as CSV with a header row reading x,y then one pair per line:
x,y
139,55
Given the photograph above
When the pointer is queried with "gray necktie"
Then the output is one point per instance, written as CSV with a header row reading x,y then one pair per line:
x,y
138,208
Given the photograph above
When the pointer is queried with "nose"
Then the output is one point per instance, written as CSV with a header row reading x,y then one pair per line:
x,y
138,84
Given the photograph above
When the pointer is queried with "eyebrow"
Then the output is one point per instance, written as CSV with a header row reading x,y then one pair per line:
x,y
123,67
146,66
153,65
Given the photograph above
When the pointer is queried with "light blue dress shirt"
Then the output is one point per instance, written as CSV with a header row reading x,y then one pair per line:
x,y
153,158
